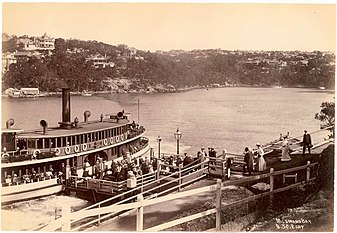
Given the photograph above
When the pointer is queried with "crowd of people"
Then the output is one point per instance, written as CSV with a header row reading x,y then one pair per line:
x,y
121,170
254,161
128,167
33,176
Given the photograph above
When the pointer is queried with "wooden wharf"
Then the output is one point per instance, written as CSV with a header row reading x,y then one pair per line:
x,y
163,186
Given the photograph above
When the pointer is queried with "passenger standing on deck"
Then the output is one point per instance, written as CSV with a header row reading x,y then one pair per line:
x,y
248,159
260,159
86,168
97,170
306,142
203,151
285,151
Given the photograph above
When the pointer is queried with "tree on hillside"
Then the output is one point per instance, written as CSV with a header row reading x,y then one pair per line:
x,y
10,45
327,116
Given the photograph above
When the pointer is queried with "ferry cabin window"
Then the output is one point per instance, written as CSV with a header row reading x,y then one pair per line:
x,y
73,140
22,144
31,143
64,141
53,142
59,142
47,143
84,138
39,143
78,139
8,141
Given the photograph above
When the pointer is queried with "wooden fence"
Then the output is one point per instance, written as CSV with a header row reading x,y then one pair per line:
x,y
145,185
67,218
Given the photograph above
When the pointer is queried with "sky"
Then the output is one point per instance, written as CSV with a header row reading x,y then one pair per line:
x,y
187,26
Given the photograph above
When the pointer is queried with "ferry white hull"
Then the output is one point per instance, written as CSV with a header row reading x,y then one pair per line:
x,y
16,193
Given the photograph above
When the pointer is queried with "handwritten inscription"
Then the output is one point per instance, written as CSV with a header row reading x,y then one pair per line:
x,y
291,224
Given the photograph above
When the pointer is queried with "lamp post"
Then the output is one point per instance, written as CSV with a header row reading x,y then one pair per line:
x,y
178,136
158,140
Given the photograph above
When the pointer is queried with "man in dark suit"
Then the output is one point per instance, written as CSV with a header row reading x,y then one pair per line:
x,y
306,142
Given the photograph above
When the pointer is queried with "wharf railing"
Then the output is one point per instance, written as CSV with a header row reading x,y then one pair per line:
x,y
146,186
310,172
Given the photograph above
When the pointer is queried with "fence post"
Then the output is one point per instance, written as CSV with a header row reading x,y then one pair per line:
x,y
66,217
228,167
218,205
180,168
99,215
142,188
308,172
223,169
271,183
158,170
140,211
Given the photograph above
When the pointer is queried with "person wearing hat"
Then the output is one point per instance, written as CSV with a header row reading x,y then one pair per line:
x,y
261,163
306,142
15,180
285,151
248,158
203,151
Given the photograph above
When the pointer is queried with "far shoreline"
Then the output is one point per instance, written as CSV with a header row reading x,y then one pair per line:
x,y
162,91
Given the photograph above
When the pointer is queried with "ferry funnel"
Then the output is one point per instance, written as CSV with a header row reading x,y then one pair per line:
x,y
87,114
9,123
65,124
44,125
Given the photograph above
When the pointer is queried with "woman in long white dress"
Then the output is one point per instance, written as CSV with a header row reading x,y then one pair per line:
x,y
285,151
261,163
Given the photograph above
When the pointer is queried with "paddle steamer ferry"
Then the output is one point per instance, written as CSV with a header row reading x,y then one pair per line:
x,y
33,161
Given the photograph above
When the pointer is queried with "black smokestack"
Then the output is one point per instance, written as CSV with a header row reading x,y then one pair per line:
x,y
65,124
65,105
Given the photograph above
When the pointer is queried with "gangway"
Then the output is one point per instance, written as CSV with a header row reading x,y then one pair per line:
x,y
149,186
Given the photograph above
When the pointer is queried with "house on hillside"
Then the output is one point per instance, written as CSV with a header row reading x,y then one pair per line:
x,y
44,42
22,56
7,59
100,61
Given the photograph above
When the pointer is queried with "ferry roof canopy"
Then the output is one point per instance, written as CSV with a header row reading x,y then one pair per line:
x,y
83,127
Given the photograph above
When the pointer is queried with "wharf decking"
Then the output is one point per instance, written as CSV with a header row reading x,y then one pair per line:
x,y
305,166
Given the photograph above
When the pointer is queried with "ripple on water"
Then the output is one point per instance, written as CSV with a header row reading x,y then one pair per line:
x,y
32,213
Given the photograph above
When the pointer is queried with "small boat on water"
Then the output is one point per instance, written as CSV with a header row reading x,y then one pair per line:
x,y
85,93
33,162
322,88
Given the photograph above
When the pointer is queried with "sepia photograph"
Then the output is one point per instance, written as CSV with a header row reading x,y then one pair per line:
x,y
168,116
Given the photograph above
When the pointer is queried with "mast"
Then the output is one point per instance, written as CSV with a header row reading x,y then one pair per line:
x,y
138,111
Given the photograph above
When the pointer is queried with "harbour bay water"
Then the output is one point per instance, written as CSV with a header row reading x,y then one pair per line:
x,y
225,118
